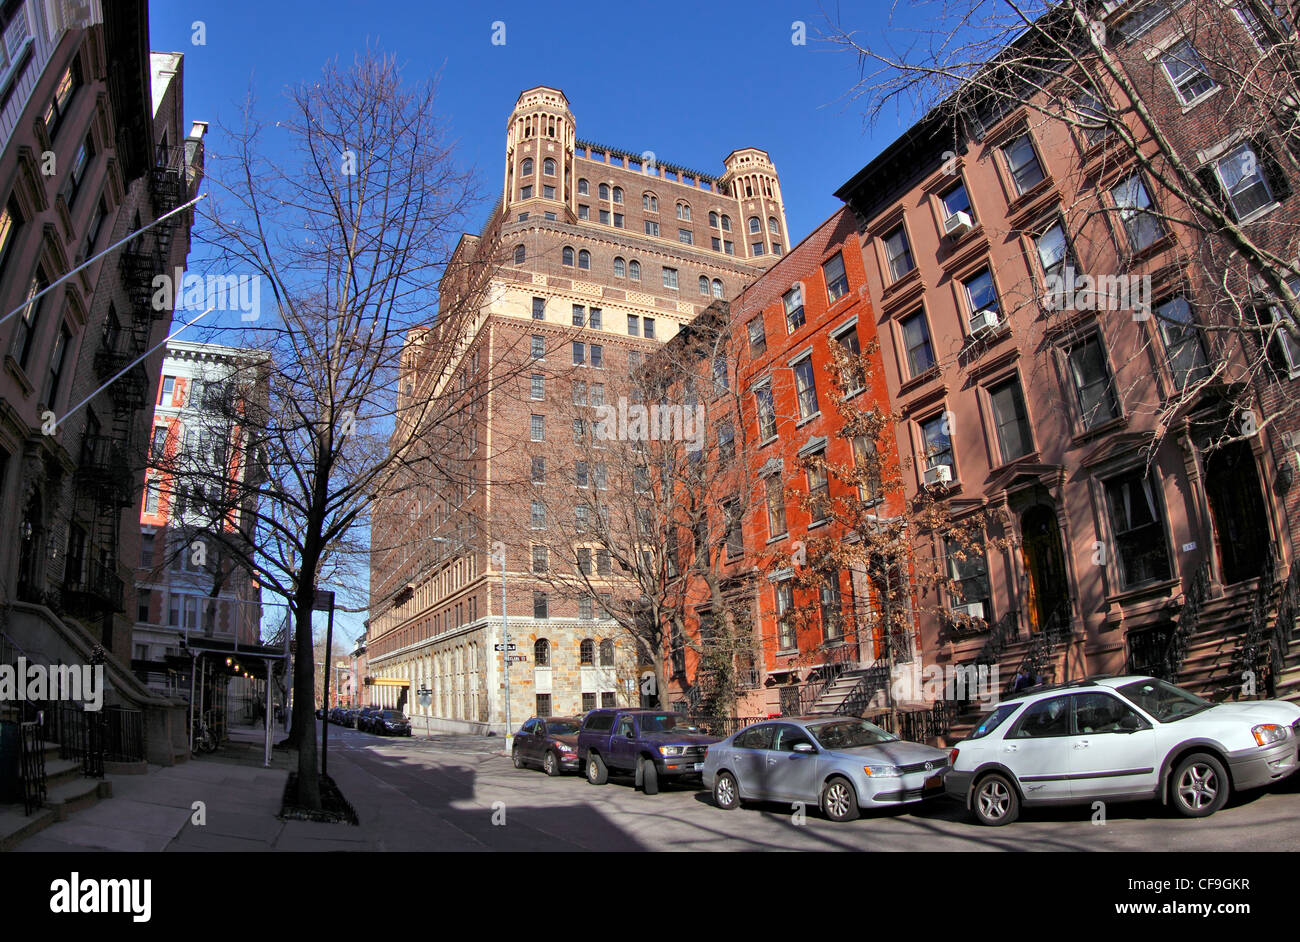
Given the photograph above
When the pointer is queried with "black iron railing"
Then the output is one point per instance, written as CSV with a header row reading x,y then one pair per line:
x,y
836,659
1005,630
123,734
167,179
1160,651
723,726
104,465
32,765
93,589
1042,647
1267,640
920,725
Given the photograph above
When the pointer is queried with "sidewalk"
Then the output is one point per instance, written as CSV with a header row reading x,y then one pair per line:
x,y
240,799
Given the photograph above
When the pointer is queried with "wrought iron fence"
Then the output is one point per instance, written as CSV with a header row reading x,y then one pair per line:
x,y
724,726
32,765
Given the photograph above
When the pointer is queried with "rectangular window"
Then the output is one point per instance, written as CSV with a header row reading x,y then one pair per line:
x,y
757,337
648,327
548,192
537,428
618,221
579,431
1241,174
729,248
981,295
597,394
758,249
1012,422
579,353
785,615
594,318
168,388
1141,226
77,175
597,355
1022,161
1053,251
633,325
794,313
670,278
854,377
806,388
538,348
916,340
580,476
539,559
603,566
685,236
586,610
937,442
151,495
735,533
898,253
537,515
1136,517
581,518
1093,389
956,201
526,193
58,357
818,488
543,704
766,412
651,227
584,560
1092,117
1183,349
537,388
579,315
10,221
1187,73
716,244
25,330
604,217
867,461
539,470
584,212
968,570
775,506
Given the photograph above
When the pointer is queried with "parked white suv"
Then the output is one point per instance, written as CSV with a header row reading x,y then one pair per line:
x,y
1120,739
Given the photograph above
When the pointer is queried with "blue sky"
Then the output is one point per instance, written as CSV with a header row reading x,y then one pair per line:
x,y
641,76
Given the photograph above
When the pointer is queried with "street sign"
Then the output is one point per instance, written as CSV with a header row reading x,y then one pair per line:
x,y
502,647
517,658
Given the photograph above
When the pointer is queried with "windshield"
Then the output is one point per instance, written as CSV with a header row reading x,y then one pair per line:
x,y
847,734
561,727
666,722
993,720
393,715
1163,700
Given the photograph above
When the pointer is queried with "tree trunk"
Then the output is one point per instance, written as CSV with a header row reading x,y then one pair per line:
x,y
304,718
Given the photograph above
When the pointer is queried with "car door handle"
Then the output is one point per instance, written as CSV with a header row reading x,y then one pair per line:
x,y
1083,744
1010,747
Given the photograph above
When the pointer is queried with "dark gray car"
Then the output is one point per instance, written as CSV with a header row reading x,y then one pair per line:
x,y
839,763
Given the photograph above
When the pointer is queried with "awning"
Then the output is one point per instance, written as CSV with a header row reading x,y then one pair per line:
x,y
389,682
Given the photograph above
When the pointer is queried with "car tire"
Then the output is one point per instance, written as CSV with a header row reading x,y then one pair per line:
x,y
839,800
551,765
597,773
1199,786
649,777
726,791
516,758
995,800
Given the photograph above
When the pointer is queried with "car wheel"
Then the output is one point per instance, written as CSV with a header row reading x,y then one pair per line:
x,y
649,777
726,793
1200,786
839,801
597,774
549,765
996,801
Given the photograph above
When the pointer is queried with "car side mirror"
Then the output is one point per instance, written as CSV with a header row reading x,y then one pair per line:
x,y
631,735
804,747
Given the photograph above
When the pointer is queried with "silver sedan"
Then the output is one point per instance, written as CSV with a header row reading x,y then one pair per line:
x,y
841,763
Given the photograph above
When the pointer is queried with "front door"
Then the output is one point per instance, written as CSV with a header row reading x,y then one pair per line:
x,y
1237,508
1040,536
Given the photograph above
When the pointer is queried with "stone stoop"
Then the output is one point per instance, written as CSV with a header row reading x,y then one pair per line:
x,y
66,793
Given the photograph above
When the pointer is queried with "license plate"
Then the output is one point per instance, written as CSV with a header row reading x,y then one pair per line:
x,y
699,767
934,782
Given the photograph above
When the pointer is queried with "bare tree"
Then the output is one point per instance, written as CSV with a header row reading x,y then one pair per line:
x,y
348,222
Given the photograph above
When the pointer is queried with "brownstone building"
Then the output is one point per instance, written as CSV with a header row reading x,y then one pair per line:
x,y
1137,519
593,257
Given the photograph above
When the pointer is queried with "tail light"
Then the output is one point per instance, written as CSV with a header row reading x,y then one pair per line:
x,y
952,756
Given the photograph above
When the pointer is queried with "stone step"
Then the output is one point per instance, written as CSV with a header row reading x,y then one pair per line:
x,y
67,798
16,826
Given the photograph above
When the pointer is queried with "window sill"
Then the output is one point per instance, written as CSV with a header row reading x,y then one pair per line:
x,y
1108,426
1143,592
1258,214
805,421
778,538
902,282
1195,102
816,524
17,372
916,382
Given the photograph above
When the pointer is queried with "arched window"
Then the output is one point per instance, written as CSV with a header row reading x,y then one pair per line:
x,y
604,191
542,653
620,267
618,194
773,226
526,168
755,225
650,202
567,255
607,653
684,211
717,288
726,223
583,187
704,286
634,270
713,219
584,259
587,651
519,254
548,167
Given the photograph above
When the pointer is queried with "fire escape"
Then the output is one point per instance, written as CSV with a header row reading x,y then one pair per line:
x,y
110,465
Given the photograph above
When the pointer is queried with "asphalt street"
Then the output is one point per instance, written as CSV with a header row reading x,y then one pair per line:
x,y
463,793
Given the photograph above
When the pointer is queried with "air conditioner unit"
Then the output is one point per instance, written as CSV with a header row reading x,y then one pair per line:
x,y
983,322
972,610
939,474
958,224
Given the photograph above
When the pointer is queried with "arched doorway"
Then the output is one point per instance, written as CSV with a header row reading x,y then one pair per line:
x,y
1237,509
1049,588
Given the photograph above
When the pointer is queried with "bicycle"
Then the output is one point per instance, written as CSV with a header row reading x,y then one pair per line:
x,y
204,739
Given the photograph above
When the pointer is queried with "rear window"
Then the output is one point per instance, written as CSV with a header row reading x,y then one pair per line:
x,y
993,720
599,721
